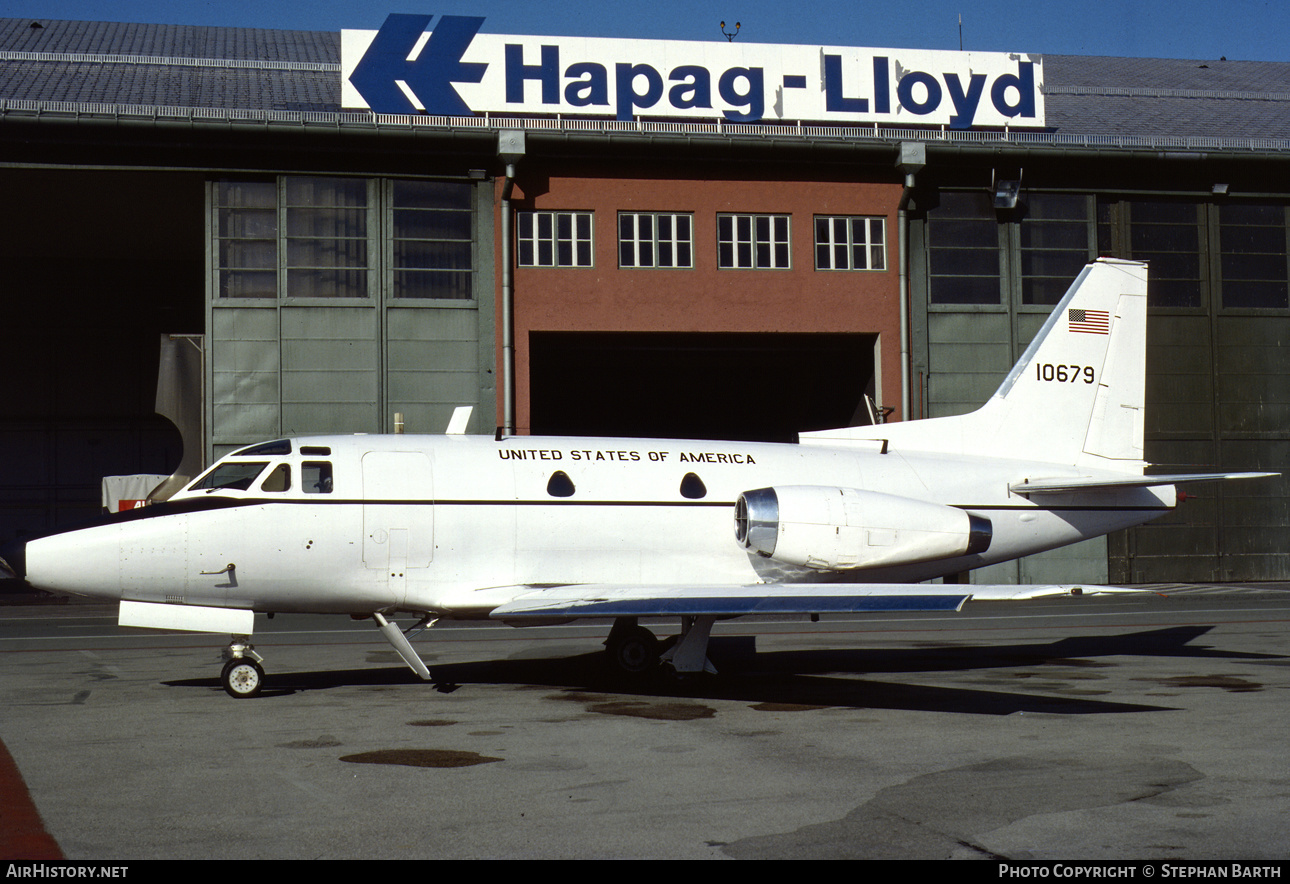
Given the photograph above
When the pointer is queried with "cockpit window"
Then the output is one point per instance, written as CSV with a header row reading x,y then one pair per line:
x,y
315,477
266,449
278,480
234,475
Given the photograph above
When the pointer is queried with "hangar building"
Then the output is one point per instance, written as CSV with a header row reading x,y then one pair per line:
x,y
659,267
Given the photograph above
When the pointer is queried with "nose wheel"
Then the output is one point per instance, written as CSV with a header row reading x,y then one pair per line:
x,y
242,676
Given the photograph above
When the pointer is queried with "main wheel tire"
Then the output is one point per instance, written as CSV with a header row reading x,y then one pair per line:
x,y
242,677
634,650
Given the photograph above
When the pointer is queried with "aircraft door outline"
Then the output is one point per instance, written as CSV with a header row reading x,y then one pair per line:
x,y
398,515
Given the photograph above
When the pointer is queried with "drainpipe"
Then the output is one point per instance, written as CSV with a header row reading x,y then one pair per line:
x,y
510,150
912,158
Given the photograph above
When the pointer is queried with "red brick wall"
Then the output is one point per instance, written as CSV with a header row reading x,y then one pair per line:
x,y
607,298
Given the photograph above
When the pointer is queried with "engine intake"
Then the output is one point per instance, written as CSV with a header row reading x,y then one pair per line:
x,y
843,529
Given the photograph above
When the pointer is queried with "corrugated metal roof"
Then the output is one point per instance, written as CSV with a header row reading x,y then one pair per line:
x,y
1167,73
116,38
165,85
255,70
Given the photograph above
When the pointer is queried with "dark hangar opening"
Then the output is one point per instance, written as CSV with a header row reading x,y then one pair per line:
x,y
748,387
98,265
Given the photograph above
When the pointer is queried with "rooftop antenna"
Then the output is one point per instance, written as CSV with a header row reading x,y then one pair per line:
x,y
960,32
730,38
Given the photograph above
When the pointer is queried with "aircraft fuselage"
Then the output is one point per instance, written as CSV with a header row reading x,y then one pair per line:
x,y
451,524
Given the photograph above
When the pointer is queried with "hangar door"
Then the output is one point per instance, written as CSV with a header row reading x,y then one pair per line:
x,y
701,385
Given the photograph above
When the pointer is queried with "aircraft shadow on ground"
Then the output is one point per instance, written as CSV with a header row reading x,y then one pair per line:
x,y
819,677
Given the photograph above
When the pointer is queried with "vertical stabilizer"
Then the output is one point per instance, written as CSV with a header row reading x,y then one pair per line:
x,y
1077,393
1076,396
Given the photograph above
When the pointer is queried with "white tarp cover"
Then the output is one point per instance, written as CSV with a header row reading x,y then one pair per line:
x,y
119,488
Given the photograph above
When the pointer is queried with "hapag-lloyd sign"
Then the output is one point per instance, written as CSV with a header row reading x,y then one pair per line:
x,y
457,71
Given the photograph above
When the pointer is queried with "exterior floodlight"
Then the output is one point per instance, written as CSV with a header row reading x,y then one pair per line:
x,y
1006,193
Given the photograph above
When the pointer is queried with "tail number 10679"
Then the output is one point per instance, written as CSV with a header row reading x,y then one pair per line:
x,y
1063,374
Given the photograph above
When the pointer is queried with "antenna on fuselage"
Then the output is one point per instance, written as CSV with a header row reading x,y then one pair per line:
x,y
460,418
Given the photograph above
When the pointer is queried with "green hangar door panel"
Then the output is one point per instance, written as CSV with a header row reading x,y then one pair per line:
x,y
398,512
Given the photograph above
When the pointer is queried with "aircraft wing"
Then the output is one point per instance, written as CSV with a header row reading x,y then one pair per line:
x,y
1068,486
620,600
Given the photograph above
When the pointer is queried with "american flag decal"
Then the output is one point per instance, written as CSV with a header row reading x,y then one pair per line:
x,y
1089,322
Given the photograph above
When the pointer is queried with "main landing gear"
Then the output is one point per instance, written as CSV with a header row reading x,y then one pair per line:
x,y
632,649
635,651
242,676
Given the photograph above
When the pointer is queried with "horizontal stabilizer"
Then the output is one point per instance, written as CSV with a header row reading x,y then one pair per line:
x,y
613,600
1069,486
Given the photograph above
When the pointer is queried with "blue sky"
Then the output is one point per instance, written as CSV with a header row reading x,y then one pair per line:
x,y
1237,29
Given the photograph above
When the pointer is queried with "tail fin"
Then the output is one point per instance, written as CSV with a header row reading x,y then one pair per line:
x,y
1076,396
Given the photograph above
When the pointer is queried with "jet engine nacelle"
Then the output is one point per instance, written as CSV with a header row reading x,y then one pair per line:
x,y
843,529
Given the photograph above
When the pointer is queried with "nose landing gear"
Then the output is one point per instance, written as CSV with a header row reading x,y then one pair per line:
x,y
242,676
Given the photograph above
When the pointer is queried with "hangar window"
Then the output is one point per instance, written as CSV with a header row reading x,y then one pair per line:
x,y
1224,252
1253,255
554,239
964,245
326,237
301,236
433,242
752,242
655,239
1167,234
1054,241
850,243
247,239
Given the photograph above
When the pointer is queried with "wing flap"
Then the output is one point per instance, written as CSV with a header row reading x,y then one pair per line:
x,y
612,600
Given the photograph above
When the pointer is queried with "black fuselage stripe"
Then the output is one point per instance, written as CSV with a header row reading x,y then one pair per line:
x,y
204,504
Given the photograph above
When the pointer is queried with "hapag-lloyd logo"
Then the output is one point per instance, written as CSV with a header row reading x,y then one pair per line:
x,y
427,71
456,71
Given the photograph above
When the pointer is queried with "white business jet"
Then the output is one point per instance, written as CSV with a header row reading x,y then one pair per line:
x,y
532,530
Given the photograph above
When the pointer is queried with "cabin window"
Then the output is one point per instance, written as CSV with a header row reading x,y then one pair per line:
x,y
692,487
560,485
278,480
231,476
315,477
